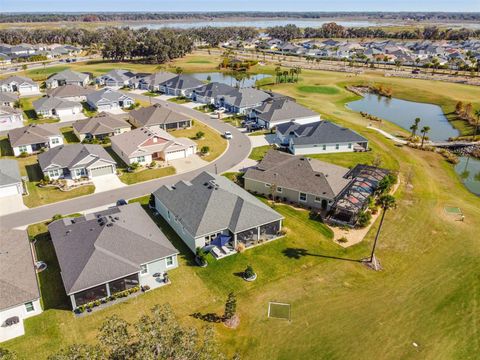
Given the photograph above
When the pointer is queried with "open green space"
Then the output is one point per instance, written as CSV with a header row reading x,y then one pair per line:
x,y
69,135
327,90
146,174
259,152
179,100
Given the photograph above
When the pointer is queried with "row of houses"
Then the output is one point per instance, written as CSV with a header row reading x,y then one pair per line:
x,y
11,53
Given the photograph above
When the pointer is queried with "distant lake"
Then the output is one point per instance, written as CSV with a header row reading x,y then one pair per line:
x,y
469,171
260,24
225,78
403,113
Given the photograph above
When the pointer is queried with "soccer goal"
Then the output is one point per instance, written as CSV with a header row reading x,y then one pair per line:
x,y
279,310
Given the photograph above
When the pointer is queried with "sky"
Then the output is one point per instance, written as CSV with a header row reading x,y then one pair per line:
x,y
227,5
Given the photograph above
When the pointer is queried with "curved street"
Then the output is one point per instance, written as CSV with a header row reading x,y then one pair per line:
x,y
238,149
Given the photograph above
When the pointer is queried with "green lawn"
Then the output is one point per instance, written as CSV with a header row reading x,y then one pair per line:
x,y
88,111
146,174
180,100
205,108
328,90
150,93
259,152
234,120
69,135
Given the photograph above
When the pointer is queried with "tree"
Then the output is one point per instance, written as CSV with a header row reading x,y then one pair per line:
x,y
386,202
414,126
477,114
459,108
178,70
424,132
7,354
79,352
230,306
114,335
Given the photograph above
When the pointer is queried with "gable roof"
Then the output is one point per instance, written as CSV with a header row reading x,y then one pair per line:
x,y
17,79
131,143
182,82
320,132
119,75
69,76
7,110
106,94
210,203
101,123
48,103
69,90
106,245
245,97
213,89
300,173
32,134
157,114
157,78
8,97
273,110
67,156
18,280
9,172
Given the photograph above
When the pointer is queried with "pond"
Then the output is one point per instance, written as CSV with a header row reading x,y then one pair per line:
x,y
248,80
403,113
469,171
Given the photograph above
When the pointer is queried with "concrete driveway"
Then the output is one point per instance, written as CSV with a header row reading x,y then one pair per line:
x,y
107,182
262,140
72,117
11,204
188,164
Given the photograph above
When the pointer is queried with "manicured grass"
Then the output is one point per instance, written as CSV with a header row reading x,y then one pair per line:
x,y
234,120
199,61
146,174
212,139
327,90
150,93
42,196
259,152
29,113
69,135
88,111
205,108
42,74
179,100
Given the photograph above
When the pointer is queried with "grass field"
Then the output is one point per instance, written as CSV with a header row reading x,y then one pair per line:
x,y
427,292
146,174
327,90
259,152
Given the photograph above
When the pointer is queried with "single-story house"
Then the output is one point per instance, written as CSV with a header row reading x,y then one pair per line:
x,y
8,99
56,107
180,85
21,84
207,93
75,161
67,77
34,137
212,211
100,126
115,79
321,137
20,295
145,145
70,92
10,179
309,182
276,111
10,118
151,82
111,251
159,116
241,101
107,99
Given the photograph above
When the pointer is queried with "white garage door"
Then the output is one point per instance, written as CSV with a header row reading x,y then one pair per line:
x,y
175,155
104,170
61,112
104,107
9,190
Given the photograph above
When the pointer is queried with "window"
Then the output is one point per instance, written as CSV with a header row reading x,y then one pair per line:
x,y
54,172
79,172
169,261
29,306
350,145
318,199
302,197
337,146
118,131
324,147
55,141
141,159
143,269
22,148
279,189
125,283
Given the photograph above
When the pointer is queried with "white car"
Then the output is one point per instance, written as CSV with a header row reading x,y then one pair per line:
x,y
227,135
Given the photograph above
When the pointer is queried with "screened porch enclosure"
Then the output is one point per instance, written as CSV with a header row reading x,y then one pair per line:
x,y
259,234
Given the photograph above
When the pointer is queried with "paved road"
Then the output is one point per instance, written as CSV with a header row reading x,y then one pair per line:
x,y
238,149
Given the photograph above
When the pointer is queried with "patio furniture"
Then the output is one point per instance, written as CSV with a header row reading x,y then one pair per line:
x,y
216,252
225,250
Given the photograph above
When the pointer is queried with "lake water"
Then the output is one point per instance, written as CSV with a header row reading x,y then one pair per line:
x,y
403,113
468,169
248,81
259,24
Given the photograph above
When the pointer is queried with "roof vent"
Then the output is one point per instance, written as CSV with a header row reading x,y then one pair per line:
x,y
109,224
116,218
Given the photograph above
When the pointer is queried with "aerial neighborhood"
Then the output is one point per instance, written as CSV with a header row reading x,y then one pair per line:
x,y
147,174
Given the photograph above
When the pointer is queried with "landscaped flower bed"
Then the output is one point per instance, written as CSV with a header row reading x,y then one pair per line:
x,y
97,303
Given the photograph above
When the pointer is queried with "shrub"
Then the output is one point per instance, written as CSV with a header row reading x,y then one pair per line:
x,y
56,217
364,219
248,273
134,165
153,163
342,240
201,255
205,150
240,247
199,135
23,154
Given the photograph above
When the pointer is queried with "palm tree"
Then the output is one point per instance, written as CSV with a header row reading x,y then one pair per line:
x,y
477,114
386,202
414,127
424,132
298,71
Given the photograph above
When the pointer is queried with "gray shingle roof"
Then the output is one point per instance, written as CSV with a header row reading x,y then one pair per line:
x,y
8,97
9,172
213,89
281,109
320,132
18,281
69,90
245,97
17,79
299,173
119,75
67,156
107,94
203,208
8,110
106,245
157,114
32,134
182,82
48,103
102,123
157,78
69,76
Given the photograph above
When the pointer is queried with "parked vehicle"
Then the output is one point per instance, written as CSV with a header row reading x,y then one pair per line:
x,y
227,135
121,202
